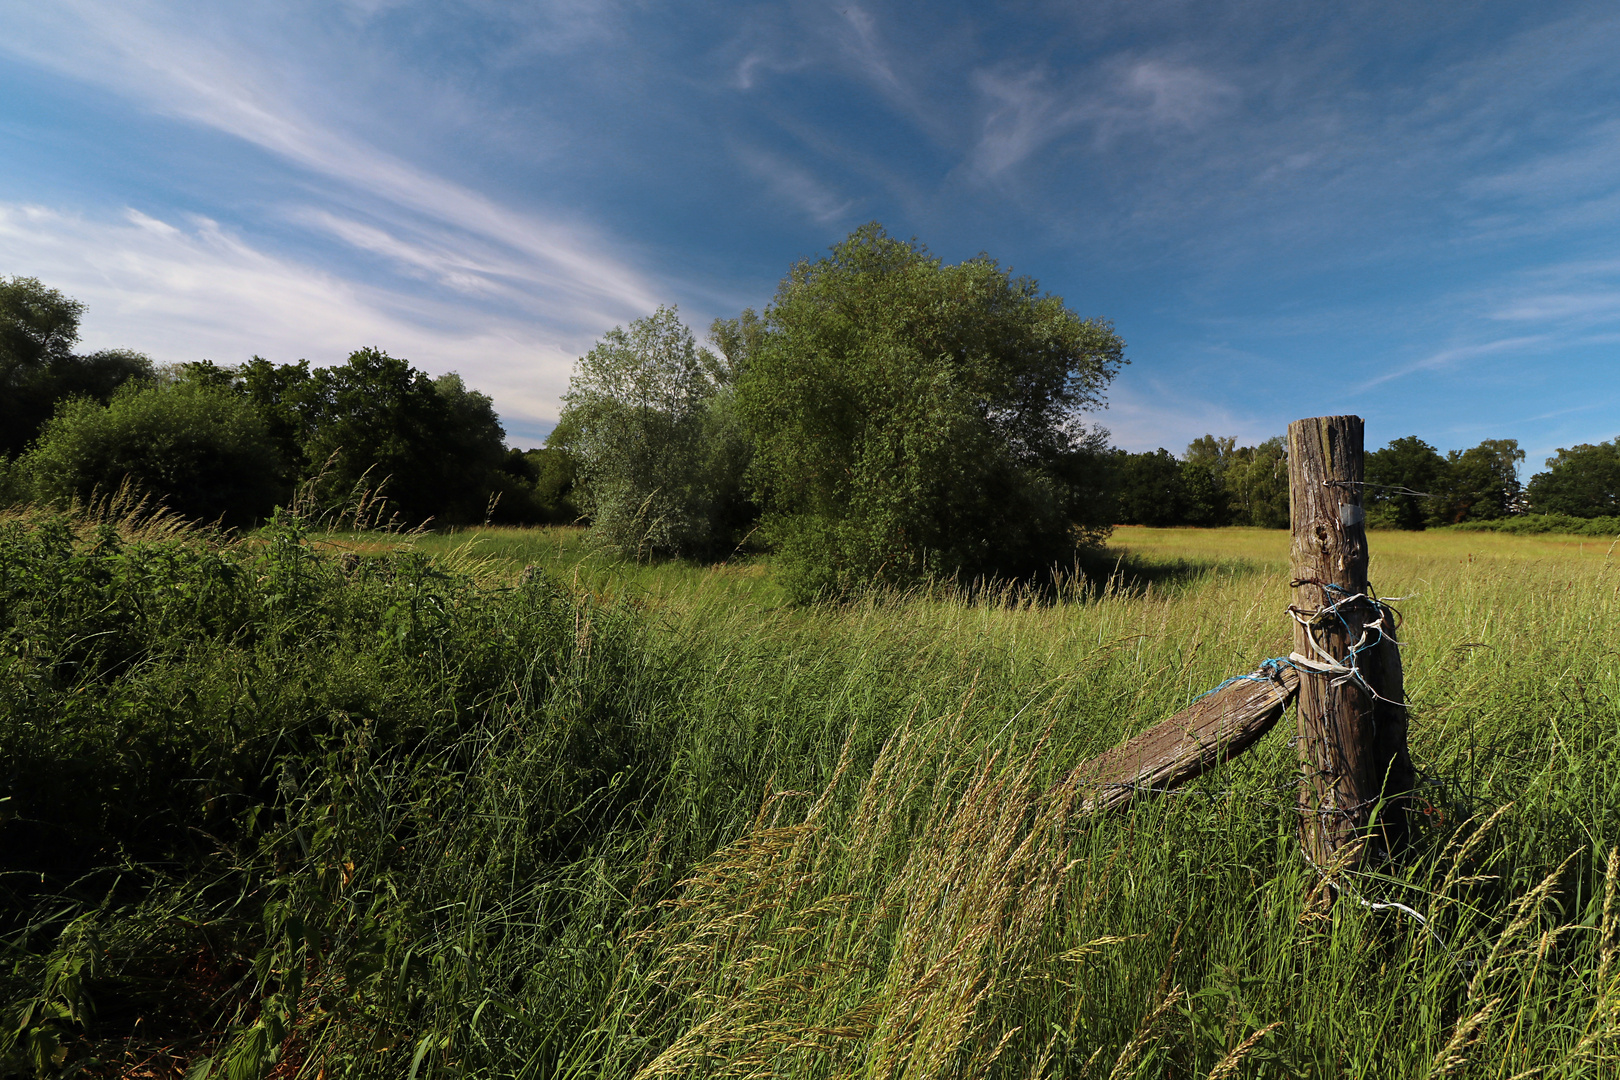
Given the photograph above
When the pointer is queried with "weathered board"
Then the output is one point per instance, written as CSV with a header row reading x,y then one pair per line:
x,y
1212,729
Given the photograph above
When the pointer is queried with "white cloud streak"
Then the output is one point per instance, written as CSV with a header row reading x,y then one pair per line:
x,y
192,291
1023,113
217,84
796,186
1456,355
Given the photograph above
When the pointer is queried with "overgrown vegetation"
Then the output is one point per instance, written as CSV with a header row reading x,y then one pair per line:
x,y
304,804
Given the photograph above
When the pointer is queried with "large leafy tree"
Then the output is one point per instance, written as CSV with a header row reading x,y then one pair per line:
x,y
432,448
653,440
910,417
1147,488
1582,481
1480,483
376,421
1257,484
38,368
1206,470
1402,479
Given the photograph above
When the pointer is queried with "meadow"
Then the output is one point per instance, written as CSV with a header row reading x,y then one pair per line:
x,y
493,803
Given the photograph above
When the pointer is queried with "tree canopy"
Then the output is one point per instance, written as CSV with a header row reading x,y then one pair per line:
x,y
38,368
201,449
654,440
912,417
1582,481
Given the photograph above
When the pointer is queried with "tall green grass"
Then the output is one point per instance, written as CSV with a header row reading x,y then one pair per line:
x,y
490,806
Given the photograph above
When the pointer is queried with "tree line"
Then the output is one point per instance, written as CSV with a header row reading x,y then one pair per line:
x,y
230,443
887,417
1410,484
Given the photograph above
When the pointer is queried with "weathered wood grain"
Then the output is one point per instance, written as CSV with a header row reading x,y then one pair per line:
x,y
1213,729
1352,745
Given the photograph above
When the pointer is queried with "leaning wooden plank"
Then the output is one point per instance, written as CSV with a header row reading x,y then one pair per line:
x,y
1213,729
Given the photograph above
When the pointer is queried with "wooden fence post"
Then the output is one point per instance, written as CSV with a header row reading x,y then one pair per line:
x,y
1352,727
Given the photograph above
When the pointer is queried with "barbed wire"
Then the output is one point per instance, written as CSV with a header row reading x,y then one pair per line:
x,y
1397,489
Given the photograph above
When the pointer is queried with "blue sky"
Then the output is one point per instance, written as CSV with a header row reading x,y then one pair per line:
x,y
1286,209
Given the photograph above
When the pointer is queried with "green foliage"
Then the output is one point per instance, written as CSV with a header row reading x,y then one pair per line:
x,y
38,369
1216,483
38,325
737,339
556,470
653,440
203,452
1583,481
1257,484
1148,488
1205,481
911,418
529,490
432,448
1406,473
1411,486
1479,484
379,421
1538,524
1204,500
289,399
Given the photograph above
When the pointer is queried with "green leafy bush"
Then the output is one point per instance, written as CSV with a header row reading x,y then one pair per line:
x,y
203,451
38,368
1533,524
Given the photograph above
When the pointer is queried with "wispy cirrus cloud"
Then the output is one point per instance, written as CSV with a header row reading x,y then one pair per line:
x,y
796,185
1023,112
192,289
1457,355
216,82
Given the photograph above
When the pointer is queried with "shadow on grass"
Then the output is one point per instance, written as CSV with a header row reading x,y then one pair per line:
x,y
1100,572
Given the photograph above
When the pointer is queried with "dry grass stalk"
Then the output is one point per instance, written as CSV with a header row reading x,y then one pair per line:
x,y
1454,1055
1464,847
1526,910
778,950
134,516
1228,1065
1606,936
1145,1035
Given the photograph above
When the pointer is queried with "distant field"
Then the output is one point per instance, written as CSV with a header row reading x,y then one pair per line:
x,y
564,548
1271,545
